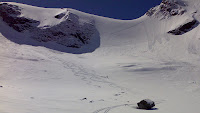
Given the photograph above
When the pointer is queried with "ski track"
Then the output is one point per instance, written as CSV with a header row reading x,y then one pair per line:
x,y
108,109
89,76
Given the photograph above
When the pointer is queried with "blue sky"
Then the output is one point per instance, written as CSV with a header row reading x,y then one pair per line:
x,y
119,9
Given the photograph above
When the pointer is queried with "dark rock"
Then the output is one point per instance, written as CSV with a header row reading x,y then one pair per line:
x,y
150,12
91,101
117,94
58,33
1,86
184,28
80,37
84,99
146,104
59,16
10,15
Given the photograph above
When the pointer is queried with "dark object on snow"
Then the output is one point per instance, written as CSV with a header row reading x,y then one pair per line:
x,y
84,99
184,28
1,86
59,16
91,101
146,104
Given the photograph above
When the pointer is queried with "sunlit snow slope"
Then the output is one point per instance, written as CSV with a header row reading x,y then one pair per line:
x,y
67,61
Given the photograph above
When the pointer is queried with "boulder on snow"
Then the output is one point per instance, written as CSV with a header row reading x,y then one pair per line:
x,y
146,104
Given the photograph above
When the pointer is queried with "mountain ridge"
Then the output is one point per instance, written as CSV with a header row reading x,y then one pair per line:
x,y
107,33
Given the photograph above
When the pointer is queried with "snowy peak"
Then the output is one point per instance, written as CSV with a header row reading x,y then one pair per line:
x,y
180,10
50,25
167,9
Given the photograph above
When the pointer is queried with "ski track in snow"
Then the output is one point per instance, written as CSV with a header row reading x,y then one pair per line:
x,y
133,105
107,109
87,75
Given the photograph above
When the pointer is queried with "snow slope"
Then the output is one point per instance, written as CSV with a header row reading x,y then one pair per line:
x,y
131,61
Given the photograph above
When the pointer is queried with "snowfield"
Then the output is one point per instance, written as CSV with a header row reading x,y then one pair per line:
x,y
122,63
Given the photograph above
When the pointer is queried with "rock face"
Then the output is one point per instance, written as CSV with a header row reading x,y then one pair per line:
x,y
70,32
10,15
146,104
167,9
184,28
59,16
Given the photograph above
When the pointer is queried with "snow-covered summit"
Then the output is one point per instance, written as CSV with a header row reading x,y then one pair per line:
x,y
167,9
50,25
171,8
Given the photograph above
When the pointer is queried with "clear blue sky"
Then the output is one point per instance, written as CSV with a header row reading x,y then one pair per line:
x,y
119,9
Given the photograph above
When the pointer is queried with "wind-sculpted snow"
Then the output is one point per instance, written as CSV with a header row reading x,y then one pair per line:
x,y
69,31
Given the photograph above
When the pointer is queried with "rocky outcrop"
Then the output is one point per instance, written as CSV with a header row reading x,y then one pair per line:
x,y
10,15
167,9
146,104
184,28
59,16
69,32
